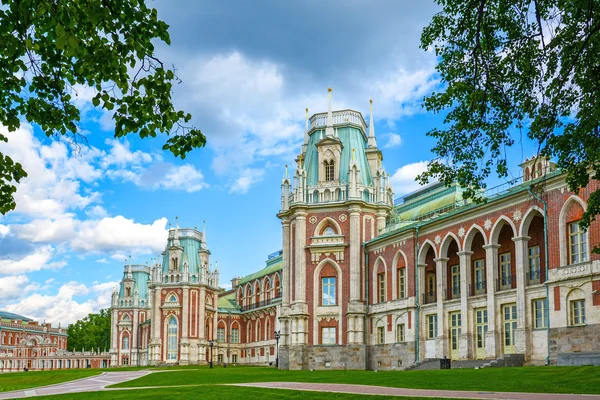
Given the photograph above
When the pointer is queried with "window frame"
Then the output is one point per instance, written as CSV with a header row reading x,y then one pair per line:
x,y
581,319
401,282
401,333
220,335
432,322
539,317
534,257
381,287
235,335
327,287
505,281
381,335
582,246
331,338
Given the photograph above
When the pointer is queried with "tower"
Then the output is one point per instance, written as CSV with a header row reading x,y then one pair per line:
x,y
340,199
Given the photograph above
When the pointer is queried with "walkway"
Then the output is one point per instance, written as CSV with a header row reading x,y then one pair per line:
x,y
389,391
91,384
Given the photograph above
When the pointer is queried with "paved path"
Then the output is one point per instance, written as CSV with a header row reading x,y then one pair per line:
x,y
389,391
91,384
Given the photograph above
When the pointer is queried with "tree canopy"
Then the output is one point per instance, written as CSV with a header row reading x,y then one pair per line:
x,y
50,50
91,332
512,68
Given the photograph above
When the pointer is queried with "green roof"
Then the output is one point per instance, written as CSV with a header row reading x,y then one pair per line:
x,y
12,316
141,276
273,265
228,302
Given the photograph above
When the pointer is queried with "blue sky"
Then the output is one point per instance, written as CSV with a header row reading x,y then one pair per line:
x,y
249,68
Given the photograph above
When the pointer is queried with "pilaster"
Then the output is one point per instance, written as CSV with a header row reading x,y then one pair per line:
x,y
522,260
355,247
285,299
300,257
465,338
491,266
440,272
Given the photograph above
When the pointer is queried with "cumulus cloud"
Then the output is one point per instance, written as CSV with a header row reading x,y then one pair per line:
x,y
247,178
36,261
394,140
403,180
12,286
63,307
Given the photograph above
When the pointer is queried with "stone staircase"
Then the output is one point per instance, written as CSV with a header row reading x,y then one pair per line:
x,y
508,360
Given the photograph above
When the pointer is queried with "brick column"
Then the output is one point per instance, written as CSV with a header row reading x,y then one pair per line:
x,y
440,340
465,343
494,333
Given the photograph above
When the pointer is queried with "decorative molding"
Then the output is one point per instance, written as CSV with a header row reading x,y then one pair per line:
x,y
312,220
343,217
438,240
461,232
517,215
487,225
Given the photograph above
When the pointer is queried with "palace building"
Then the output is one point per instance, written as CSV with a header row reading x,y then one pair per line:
x,y
364,281
27,344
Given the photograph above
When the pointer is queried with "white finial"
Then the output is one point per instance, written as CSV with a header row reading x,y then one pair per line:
x,y
306,128
286,171
329,129
204,231
372,142
176,237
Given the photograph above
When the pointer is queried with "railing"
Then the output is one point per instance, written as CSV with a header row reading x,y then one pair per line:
x,y
342,117
453,293
506,282
193,233
262,303
477,288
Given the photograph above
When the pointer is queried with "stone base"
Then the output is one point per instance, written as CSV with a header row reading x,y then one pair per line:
x,y
322,357
388,357
574,339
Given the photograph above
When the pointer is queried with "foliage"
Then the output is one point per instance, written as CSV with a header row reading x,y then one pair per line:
x,y
511,67
50,51
91,332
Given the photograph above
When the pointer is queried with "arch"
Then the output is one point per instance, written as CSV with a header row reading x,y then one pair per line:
x,y
573,295
562,228
327,221
446,244
277,285
316,280
170,296
424,249
500,222
528,217
125,317
399,255
125,340
471,233
376,265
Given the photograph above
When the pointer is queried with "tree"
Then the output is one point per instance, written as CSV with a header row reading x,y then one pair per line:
x,y
51,49
90,332
515,67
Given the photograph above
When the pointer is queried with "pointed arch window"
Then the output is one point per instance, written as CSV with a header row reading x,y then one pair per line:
x,y
329,170
172,339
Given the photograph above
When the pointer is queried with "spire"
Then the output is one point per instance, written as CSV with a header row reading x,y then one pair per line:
x,y
306,128
372,142
329,129
204,233
176,237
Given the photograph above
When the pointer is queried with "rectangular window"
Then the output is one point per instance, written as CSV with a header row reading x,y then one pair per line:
x,y
220,335
401,283
505,275
125,360
400,333
455,269
478,267
234,358
381,286
577,243
328,288
328,335
578,312
380,335
540,313
534,264
220,358
431,326
235,335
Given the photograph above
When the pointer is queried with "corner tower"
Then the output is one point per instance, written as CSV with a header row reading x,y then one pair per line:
x,y
339,199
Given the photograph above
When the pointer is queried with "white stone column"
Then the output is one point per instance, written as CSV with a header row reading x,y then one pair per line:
x,y
381,214
494,333
355,248
202,314
465,338
185,315
134,338
300,258
285,299
114,335
522,261
441,265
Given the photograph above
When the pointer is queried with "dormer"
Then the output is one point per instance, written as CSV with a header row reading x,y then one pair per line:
x,y
330,152
536,167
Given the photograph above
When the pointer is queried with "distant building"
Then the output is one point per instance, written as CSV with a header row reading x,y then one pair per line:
x,y
366,282
25,343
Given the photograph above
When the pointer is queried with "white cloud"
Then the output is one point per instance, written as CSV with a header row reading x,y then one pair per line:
x,y
96,212
403,180
63,307
38,260
394,140
48,230
119,233
4,230
12,286
247,178
185,177
120,155
102,261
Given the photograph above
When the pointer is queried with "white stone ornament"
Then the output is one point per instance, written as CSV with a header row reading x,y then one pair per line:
x,y
517,215
438,239
342,217
487,225
312,220
461,232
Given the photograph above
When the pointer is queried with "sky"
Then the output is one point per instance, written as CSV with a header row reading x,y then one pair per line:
x,y
248,71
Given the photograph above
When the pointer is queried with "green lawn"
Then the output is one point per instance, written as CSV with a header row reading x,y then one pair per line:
x,y
585,380
23,380
220,393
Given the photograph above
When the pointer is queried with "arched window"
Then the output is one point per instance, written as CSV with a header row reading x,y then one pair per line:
x,y
126,317
172,339
173,299
329,231
125,342
330,171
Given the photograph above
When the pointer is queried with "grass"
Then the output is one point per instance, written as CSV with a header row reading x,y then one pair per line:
x,y
220,393
583,380
25,380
